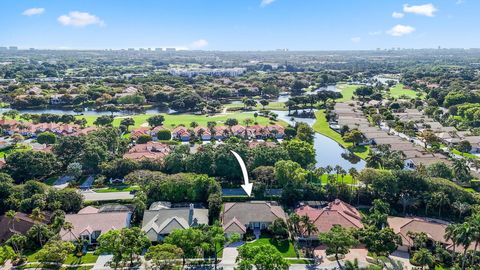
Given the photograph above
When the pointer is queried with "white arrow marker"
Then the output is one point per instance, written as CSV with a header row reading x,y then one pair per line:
x,y
247,186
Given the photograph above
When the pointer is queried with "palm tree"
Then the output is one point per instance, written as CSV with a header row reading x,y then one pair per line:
x,y
450,234
440,199
474,221
423,257
309,228
12,216
294,224
461,207
464,236
407,200
37,216
374,160
460,169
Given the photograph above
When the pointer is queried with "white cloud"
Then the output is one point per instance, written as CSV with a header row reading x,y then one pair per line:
x,y
356,39
400,30
33,11
265,3
425,10
398,15
197,44
79,19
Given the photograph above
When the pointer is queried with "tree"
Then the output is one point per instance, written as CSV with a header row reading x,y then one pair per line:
x,y
407,200
264,257
279,229
11,114
305,132
353,136
301,152
144,138
6,253
16,138
74,170
363,91
189,240
127,122
214,236
439,199
164,256
423,257
428,137
39,234
440,169
231,122
11,215
264,103
18,242
156,120
124,244
103,120
55,251
164,135
338,241
381,242
464,146
461,170
46,138
25,165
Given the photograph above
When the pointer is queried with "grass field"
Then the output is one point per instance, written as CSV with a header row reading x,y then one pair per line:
x,y
347,91
321,126
71,259
400,90
173,120
347,179
285,247
466,155
9,150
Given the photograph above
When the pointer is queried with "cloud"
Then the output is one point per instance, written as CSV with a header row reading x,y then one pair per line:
x,y
398,15
425,10
79,19
265,3
400,30
356,39
197,44
33,11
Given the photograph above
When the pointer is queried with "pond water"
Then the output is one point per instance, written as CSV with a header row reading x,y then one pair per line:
x,y
328,151
88,112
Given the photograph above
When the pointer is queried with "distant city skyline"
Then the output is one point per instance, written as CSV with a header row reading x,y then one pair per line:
x,y
239,25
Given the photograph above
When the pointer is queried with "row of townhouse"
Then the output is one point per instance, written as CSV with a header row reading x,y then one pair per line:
x,y
29,129
351,116
222,132
237,217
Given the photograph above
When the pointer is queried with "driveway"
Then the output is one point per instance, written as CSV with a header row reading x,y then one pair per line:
x,y
101,263
87,183
90,195
355,253
230,255
62,182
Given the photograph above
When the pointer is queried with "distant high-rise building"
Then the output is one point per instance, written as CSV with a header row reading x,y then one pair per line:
x,y
32,49
131,49
3,48
13,48
158,49
170,49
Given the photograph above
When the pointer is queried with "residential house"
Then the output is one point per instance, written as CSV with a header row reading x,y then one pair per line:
x,y
181,133
254,215
335,213
20,224
90,223
434,229
149,150
161,219
203,133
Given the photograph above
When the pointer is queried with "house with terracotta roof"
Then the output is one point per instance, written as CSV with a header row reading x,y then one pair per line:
x,y
434,229
90,223
238,217
149,150
335,213
203,133
181,133
161,219
220,132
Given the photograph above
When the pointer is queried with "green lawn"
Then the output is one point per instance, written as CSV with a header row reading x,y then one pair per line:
x,y
347,179
321,126
347,91
173,120
285,247
71,259
117,189
399,90
466,155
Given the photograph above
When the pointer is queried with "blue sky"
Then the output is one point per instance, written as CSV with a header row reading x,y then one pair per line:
x,y
240,24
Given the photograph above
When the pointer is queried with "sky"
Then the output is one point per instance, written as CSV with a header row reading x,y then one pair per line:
x,y
239,24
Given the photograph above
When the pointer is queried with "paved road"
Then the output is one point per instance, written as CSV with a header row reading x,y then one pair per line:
x,y
108,196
